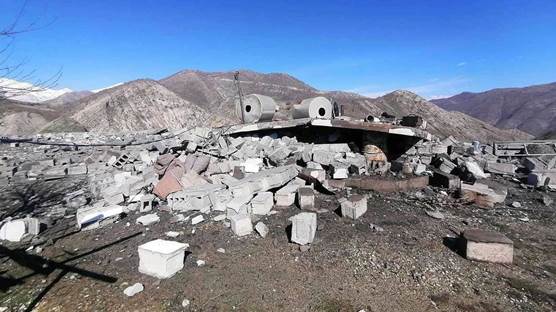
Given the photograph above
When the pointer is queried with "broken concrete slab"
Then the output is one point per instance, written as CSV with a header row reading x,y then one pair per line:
x,y
488,246
482,194
500,168
262,229
304,228
161,258
90,217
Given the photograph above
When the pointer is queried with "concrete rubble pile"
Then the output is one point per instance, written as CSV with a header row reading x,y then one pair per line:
x,y
236,176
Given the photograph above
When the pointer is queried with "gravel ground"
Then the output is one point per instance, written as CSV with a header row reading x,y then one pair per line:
x,y
411,265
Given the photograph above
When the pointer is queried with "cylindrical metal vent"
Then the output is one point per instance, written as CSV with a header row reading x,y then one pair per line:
x,y
317,107
256,108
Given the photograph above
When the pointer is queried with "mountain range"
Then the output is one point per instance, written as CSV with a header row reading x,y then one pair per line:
x,y
530,109
190,98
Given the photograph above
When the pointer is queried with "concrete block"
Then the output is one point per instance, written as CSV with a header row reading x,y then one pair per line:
x,y
285,196
13,231
90,217
304,228
354,206
161,258
488,246
146,203
262,229
446,180
477,172
340,171
241,224
262,203
252,165
306,198
324,157
197,219
77,169
483,195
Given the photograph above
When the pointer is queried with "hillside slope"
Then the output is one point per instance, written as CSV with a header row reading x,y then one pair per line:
x,y
531,109
139,105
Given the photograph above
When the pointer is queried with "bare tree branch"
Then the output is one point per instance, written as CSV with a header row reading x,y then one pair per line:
x,y
15,79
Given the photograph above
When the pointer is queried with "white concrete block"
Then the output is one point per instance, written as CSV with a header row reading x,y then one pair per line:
x,y
252,165
354,206
262,203
241,224
161,258
306,198
13,231
304,228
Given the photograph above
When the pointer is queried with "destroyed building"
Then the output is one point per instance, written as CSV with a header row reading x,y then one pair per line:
x,y
243,175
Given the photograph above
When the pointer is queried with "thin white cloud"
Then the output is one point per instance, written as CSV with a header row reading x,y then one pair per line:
x,y
460,64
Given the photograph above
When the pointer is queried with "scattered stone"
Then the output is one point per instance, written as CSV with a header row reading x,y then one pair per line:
x,y
134,289
148,219
185,303
262,229
547,200
435,214
172,234
221,250
516,204
200,263
197,219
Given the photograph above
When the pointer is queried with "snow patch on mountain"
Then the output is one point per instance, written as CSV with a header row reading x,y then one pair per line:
x,y
27,92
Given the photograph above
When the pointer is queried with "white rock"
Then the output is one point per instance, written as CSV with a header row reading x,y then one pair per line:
x,y
185,303
198,219
262,229
201,263
172,234
148,219
134,289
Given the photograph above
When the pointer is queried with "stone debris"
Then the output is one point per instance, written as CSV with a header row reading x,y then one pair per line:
x,y
133,289
241,224
239,176
304,228
488,246
161,258
262,229
148,219
354,206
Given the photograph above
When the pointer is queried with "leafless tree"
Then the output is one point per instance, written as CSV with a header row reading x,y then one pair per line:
x,y
11,69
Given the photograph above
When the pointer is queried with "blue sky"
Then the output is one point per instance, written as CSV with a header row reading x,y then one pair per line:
x,y
435,48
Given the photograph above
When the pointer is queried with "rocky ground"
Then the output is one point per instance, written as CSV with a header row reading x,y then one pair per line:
x,y
394,258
